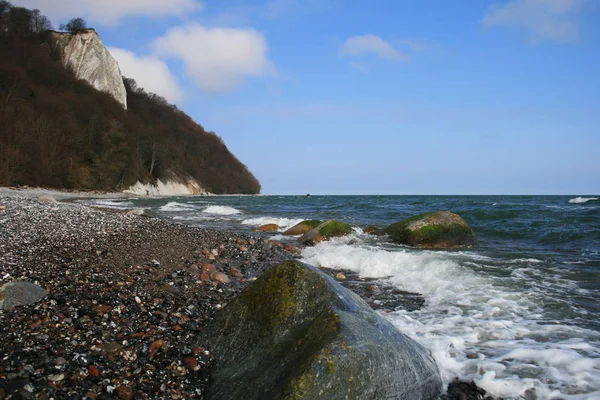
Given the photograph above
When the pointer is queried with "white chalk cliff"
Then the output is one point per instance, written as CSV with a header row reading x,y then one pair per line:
x,y
84,53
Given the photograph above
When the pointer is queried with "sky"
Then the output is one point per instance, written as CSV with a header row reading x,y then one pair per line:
x,y
375,96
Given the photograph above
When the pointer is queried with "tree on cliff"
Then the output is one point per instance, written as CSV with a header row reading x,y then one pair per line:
x,y
19,21
74,25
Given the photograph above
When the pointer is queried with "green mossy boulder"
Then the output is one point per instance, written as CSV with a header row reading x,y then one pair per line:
x,y
303,227
325,231
295,333
436,230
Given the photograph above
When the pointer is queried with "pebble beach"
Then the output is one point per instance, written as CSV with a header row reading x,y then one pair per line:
x,y
127,297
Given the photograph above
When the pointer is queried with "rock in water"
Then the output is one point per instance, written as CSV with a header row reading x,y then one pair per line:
x,y
303,227
267,228
325,231
295,333
436,230
14,294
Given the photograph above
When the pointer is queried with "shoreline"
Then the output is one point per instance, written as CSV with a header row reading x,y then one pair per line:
x,y
128,296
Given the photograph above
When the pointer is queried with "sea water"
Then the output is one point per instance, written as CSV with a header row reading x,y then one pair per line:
x,y
519,314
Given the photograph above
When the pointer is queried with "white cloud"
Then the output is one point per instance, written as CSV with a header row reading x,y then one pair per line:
x,y
544,19
217,59
370,44
110,11
150,73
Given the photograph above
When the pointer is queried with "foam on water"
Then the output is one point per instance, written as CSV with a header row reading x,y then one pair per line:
x,y
284,223
478,326
116,204
174,206
221,210
582,200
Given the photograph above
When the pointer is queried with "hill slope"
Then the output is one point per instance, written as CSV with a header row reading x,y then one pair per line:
x,y
58,131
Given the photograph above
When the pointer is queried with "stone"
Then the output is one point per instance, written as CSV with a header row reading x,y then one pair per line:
x,y
340,277
20,293
219,277
84,54
302,227
267,228
137,211
369,229
234,272
191,363
435,230
325,231
124,392
208,269
296,333
46,198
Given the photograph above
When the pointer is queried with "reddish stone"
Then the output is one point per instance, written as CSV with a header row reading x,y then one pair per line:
x,y
124,392
94,371
208,269
204,277
154,347
102,309
191,363
235,272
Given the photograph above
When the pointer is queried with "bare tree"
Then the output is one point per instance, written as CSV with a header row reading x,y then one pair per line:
x,y
39,23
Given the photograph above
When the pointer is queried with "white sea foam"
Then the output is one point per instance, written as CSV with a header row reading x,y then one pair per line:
x,y
221,210
284,223
174,206
116,204
581,200
477,328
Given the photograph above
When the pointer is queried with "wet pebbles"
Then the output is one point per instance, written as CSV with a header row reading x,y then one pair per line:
x,y
127,297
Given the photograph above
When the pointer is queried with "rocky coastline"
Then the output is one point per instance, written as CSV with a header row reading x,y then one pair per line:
x,y
128,297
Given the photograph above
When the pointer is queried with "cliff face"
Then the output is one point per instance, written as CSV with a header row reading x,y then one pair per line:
x,y
84,53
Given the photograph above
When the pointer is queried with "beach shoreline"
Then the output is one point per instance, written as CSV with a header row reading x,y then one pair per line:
x,y
128,296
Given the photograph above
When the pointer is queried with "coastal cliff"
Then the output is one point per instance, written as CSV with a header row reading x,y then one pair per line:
x,y
84,54
71,121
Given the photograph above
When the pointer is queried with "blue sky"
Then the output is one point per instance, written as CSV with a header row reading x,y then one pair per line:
x,y
375,97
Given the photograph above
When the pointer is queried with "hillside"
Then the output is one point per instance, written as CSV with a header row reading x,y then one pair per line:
x,y
58,131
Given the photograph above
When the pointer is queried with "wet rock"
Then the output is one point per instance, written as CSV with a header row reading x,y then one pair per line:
x,y
340,277
325,231
14,294
459,390
369,229
267,228
296,333
302,227
219,277
436,230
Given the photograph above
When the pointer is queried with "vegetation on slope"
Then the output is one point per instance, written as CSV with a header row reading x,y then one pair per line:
x,y
57,131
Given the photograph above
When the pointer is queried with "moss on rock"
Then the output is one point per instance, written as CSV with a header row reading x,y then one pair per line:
x,y
295,333
325,231
440,229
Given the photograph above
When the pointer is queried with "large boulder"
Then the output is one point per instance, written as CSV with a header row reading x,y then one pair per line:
x,y
295,333
325,231
435,230
14,294
303,227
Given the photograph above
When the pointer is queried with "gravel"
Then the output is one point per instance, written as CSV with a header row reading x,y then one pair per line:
x,y
127,297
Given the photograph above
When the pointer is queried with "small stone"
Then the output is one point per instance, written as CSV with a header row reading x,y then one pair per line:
x,y
90,395
124,392
235,272
45,198
154,347
138,300
191,363
208,269
340,277
56,378
14,294
93,371
219,277
205,277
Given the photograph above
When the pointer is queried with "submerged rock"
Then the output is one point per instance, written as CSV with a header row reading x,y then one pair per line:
x,y
267,228
325,231
303,227
14,294
435,230
295,333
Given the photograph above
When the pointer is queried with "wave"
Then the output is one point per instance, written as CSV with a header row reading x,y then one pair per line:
x,y
221,210
284,223
582,200
174,206
476,327
116,204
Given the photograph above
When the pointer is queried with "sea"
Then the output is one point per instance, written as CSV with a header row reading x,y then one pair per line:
x,y
519,314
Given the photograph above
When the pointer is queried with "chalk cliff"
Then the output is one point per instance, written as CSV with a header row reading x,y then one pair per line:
x,y
84,53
